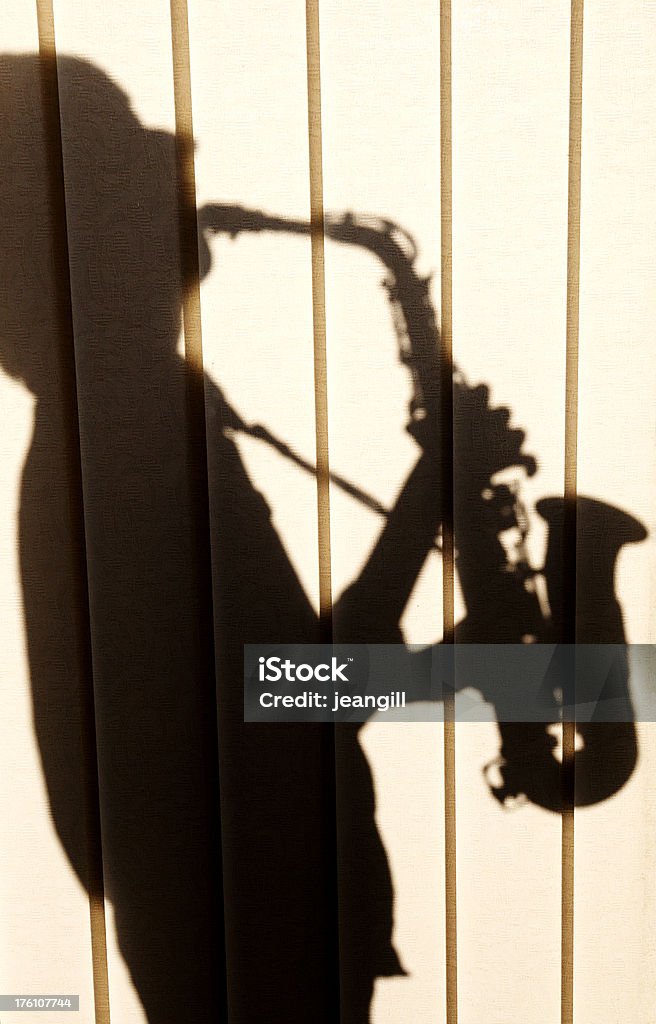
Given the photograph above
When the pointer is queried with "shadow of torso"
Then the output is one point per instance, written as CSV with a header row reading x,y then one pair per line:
x,y
132,643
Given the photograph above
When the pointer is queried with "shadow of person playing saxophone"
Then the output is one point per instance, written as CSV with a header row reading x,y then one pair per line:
x,y
221,881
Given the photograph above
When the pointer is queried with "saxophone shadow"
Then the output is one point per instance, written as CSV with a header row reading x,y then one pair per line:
x,y
501,602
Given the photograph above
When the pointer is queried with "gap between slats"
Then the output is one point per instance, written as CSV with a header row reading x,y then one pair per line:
x,y
447,456
315,168
570,494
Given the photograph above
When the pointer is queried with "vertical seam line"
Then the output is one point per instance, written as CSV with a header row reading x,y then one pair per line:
x,y
570,494
319,312
315,161
447,457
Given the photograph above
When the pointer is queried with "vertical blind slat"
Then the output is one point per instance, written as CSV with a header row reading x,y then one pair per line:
x,y
614,844
150,670
381,158
44,639
510,129
249,90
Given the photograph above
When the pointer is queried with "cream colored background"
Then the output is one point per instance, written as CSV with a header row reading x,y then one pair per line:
x,y
380,97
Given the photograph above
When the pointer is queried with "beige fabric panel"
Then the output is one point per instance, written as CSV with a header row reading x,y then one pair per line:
x,y
43,905
510,136
154,697
614,910
380,133
250,108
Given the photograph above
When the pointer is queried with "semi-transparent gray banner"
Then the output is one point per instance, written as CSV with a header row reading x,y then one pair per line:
x,y
483,682
31,1003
